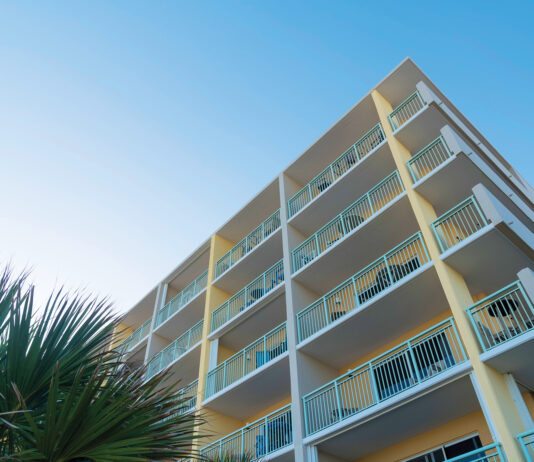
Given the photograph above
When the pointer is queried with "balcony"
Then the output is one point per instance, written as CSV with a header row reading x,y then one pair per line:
x,y
184,309
375,209
259,370
423,357
428,159
351,218
184,346
348,160
503,323
394,294
249,243
406,110
131,343
486,251
526,440
268,438
249,299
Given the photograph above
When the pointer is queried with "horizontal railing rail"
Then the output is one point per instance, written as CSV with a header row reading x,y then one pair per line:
x,y
336,169
175,350
351,218
490,453
502,316
386,271
458,224
406,110
253,239
262,437
408,364
135,337
250,358
182,299
428,158
526,439
253,292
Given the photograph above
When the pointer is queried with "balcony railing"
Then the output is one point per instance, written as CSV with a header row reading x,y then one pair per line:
x,y
407,109
502,316
189,394
134,338
256,237
458,224
410,363
428,158
363,286
176,349
183,298
526,440
255,355
336,169
253,292
257,439
351,218
491,453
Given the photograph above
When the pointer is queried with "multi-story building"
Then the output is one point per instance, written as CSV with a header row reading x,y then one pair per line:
x,y
374,302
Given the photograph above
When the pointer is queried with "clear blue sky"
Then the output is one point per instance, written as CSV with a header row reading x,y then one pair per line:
x,y
122,121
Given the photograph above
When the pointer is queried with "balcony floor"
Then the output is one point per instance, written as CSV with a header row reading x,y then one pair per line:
x,y
487,260
388,228
398,309
253,322
267,385
515,357
422,128
410,413
372,169
254,263
183,319
436,186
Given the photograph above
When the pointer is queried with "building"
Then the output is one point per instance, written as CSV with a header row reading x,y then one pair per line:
x,y
373,303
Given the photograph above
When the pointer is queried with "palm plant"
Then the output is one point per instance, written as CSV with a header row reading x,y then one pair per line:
x,y
230,457
65,396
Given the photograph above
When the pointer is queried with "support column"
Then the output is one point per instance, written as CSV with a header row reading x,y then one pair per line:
x,y
493,386
298,414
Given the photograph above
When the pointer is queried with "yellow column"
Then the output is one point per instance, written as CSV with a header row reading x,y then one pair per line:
x,y
492,384
216,425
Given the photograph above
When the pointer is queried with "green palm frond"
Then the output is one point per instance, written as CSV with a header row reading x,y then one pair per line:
x,y
64,396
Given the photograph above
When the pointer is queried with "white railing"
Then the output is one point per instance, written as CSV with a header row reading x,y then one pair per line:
x,y
134,338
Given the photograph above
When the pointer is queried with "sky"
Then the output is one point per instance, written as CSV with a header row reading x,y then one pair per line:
x,y
131,130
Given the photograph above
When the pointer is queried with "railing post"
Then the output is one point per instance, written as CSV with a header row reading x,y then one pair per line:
x,y
356,298
388,270
414,362
316,246
370,203
338,400
342,224
244,362
374,387
224,375
266,433
325,314
458,339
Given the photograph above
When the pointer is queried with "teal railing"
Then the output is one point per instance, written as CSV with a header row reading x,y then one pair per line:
x,y
257,236
352,217
408,364
458,224
250,358
407,109
175,350
363,286
526,440
502,316
135,337
336,169
491,453
428,158
262,437
253,292
182,299
189,395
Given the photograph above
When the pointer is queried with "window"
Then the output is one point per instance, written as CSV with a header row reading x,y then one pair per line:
x,y
451,450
